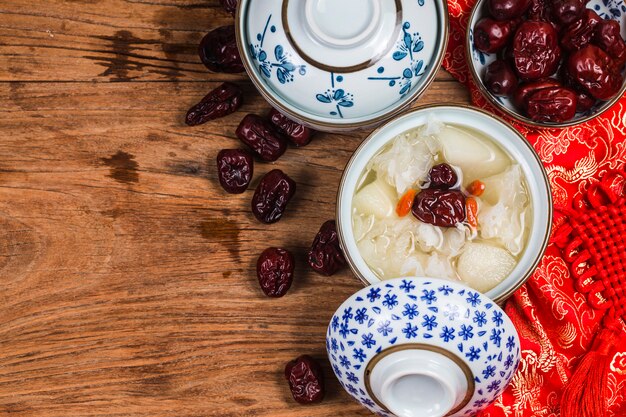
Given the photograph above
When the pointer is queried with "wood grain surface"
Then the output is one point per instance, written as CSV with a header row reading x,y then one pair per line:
x,y
127,279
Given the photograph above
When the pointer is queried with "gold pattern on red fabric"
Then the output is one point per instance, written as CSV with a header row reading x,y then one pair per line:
x,y
555,322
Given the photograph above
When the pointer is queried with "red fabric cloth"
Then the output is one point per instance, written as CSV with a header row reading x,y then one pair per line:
x,y
555,322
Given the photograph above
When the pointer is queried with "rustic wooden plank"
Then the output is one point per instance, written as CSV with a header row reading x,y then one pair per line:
x,y
109,40
127,274
113,40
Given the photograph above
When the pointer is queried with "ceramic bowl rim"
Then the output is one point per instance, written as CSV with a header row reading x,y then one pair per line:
x,y
326,125
542,175
467,371
513,114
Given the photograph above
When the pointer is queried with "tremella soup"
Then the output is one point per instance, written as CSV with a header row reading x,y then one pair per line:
x,y
443,201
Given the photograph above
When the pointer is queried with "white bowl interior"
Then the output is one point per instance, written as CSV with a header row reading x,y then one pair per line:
x,y
502,134
607,9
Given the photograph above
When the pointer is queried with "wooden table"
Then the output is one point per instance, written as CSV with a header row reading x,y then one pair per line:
x,y
127,276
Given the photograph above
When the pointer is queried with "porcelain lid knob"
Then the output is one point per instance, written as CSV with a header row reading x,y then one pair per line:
x,y
341,33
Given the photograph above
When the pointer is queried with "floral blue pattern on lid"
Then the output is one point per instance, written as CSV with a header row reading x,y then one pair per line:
x,y
342,62
285,69
409,47
337,97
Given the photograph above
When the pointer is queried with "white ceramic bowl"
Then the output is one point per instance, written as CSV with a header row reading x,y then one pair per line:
x,y
422,347
504,135
478,61
339,65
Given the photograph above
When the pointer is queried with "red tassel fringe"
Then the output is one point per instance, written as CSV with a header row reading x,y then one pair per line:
x,y
587,391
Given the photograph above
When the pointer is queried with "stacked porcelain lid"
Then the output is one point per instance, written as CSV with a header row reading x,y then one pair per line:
x,y
342,64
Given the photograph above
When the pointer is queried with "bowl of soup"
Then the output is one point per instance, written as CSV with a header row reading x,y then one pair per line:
x,y
446,192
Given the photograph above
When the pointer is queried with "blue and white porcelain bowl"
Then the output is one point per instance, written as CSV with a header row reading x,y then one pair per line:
x,y
338,65
478,62
422,347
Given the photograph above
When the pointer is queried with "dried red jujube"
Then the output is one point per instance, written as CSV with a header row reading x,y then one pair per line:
x,y
262,137
325,255
593,69
578,34
585,101
234,170
539,10
272,196
607,35
492,35
443,208
524,90
298,134
274,269
552,104
567,11
442,176
223,100
229,5
218,51
536,50
499,78
306,380
507,9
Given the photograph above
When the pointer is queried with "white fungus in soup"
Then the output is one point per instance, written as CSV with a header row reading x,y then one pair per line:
x,y
480,246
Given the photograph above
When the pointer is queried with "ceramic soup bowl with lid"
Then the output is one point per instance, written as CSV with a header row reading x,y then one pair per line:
x,y
339,65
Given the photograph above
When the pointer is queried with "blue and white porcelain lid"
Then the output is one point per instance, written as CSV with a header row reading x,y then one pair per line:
x,y
422,347
342,63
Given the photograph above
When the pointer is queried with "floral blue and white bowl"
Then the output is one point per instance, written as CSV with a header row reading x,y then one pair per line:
x,y
478,62
422,347
339,65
